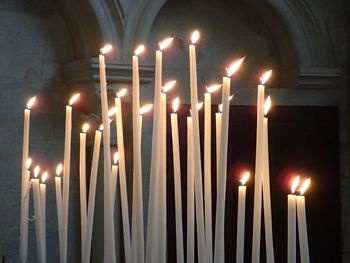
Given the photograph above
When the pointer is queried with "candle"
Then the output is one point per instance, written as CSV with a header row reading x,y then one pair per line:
x,y
196,149
137,223
258,170
242,189
114,177
190,193
66,175
302,225
177,182
219,253
58,188
218,117
82,180
43,210
25,184
92,194
152,236
38,216
109,243
292,257
266,187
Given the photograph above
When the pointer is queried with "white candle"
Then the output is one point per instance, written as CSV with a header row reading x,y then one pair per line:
x,y
152,234
58,188
82,180
177,183
25,184
38,216
43,210
302,225
91,201
292,256
109,242
218,117
266,188
66,175
242,189
190,193
258,170
122,176
115,169
196,150
219,253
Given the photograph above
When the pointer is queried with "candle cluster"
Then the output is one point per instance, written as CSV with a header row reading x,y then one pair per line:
x,y
151,249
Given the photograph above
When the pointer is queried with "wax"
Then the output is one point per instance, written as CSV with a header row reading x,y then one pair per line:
x,y
302,227
38,220
291,228
218,117
82,180
43,215
114,183
241,223
58,187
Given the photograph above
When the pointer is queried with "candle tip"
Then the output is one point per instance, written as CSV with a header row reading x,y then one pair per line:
x,y
139,50
31,102
245,178
112,111
234,67
166,42
213,88
36,171
267,105
44,177
85,127
74,98
146,108
199,105
304,186
115,158
195,36
265,77
168,86
122,92
106,49
295,184
176,103
100,127
29,162
59,169
220,107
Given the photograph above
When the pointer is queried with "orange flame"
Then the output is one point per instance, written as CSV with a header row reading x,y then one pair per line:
x,y
199,105
169,85
146,108
295,184
176,103
213,88
195,36
31,102
267,105
29,162
112,111
121,93
265,77
305,186
44,177
106,49
220,107
85,127
245,178
139,50
116,158
166,42
74,98
100,127
234,67
59,169
36,171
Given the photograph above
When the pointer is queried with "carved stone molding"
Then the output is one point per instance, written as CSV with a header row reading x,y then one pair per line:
x,y
319,78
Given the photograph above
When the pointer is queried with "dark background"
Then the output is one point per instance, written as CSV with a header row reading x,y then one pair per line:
x,y
302,140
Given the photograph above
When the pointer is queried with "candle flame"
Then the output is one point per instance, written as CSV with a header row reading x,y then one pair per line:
x,y
213,88
29,162
231,97
112,111
166,42
31,102
73,99
36,171
295,184
121,93
139,50
220,107
146,108
305,186
100,127
245,178
44,177
234,67
265,77
176,103
59,169
195,36
199,105
85,127
106,49
267,105
168,86
115,157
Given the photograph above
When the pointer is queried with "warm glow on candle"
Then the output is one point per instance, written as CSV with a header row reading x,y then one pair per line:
x,y
265,77
194,37
168,86
44,177
199,105
176,103
85,127
59,169
220,107
36,171
106,49
100,127
29,162
304,186
112,111
234,67
245,178
31,102
295,184
139,50
146,108
166,42
115,158
267,105
74,98
121,93
213,88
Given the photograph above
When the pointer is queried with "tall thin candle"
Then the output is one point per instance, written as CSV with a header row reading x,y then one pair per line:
x,y
292,235
43,209
58,187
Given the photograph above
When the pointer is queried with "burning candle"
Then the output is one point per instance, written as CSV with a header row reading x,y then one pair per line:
x,y
292,252
114,177
258,169
92,194
177,182
66,175
58,188
219,253
242,189
43,210
25,184
207,172
302,225
152,244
